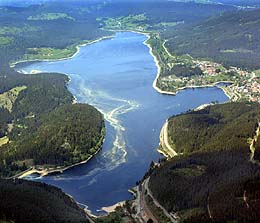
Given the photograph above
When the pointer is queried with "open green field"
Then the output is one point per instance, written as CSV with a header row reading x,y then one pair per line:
x,y
49,53
4,140
50,16
130,22
8,98
5,40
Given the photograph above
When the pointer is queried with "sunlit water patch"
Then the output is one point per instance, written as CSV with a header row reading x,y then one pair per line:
x,y
116,77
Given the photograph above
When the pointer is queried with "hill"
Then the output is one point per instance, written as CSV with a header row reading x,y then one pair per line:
x,y
220,127
231,39
67,135
36,202
215,179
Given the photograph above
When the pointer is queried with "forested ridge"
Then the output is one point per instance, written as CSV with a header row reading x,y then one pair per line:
x,y
25,201
213,180
67,135
231,39
219,127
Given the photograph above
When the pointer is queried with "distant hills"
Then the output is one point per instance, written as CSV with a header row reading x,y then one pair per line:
x,y
232,39
242,3
21,2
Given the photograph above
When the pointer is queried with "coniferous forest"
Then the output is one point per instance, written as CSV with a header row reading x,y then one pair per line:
x,y
215,178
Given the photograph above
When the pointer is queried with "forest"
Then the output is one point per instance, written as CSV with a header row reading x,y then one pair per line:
x,y
27,201
213,180
33,130
37,31
43,128
67,135
219,127
231,39
39,125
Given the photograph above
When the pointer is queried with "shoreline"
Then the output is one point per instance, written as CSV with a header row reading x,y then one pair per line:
x,y
156,61
77,47
164,147
45,171
112,208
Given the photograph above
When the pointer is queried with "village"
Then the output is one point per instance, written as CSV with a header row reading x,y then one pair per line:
x,y
237,84
244,84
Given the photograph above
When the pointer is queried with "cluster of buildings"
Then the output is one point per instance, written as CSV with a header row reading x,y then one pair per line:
x,y
210,68
248,89
245,84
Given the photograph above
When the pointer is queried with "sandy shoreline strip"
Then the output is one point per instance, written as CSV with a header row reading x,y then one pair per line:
x,y
165,148
112,208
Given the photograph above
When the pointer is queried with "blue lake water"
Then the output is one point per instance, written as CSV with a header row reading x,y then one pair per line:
x,y
116,76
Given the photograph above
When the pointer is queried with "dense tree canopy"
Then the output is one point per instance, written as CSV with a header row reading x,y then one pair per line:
x,y
232,39
208,182
25,201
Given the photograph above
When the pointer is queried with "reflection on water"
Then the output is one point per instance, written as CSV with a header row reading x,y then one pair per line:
x,y
116,77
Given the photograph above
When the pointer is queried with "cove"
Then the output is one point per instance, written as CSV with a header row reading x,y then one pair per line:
x,y
116,75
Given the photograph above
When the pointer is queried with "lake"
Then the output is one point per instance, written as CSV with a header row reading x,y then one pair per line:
x,y
116,75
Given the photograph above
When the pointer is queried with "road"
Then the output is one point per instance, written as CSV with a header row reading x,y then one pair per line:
x,y
143,211
173,218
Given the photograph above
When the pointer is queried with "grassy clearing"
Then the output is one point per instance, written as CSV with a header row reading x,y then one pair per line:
x,y
50,16
168,24
236,51
12,30
5,40
8,98
5,221
49,53
257,73
191,171
4,140
131,22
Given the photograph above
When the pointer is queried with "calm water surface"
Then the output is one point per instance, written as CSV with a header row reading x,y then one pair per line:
x,y
116,76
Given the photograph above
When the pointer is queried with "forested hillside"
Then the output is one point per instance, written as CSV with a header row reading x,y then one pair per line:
x,y
219,127
24,201
231,39
67,135
215,180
